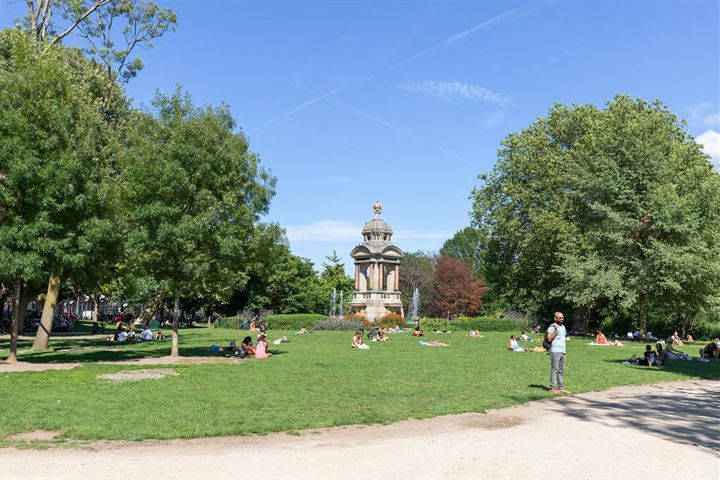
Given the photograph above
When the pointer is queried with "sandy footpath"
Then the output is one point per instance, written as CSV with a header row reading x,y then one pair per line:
x,y
660,431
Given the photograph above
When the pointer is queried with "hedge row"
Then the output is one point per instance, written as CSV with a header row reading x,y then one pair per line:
x,y
292,321
484,324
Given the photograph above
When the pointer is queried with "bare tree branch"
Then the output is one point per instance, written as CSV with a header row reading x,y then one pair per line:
x,y
96,5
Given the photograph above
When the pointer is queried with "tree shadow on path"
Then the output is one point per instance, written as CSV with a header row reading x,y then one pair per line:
x,y
685,413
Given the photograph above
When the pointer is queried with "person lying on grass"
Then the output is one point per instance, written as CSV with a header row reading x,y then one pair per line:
x,y
513,345
674,354
474,334
418,332
280,340
433,343
357,341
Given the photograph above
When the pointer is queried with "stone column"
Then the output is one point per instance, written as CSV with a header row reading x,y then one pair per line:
x,y
397,277
380,276
357,277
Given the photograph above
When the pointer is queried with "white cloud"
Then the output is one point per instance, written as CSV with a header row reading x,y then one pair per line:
x,y
704,114
342,231
455,88
710,140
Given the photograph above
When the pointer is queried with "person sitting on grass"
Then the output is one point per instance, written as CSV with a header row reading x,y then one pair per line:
x,y
711,350
380,337
662,357
513,345
357,341
302,331
650,357
159,335
146,335
600,338
247,346
690,338
676,340
397,329
474,334
261,349
418,332
433,343
526,338
121,336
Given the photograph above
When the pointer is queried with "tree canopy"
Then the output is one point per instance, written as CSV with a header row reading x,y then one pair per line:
x,y
589,208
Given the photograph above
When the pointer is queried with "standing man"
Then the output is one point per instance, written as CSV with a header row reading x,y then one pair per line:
x,y
556,336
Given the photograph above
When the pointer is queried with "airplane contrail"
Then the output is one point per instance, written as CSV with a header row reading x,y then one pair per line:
x,y
308,103
398,130
447,42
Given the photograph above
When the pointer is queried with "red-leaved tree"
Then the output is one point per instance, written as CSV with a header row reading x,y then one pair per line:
x,y
457,291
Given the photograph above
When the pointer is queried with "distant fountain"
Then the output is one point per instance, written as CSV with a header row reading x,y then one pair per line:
x,y
340,312
333,303
415,305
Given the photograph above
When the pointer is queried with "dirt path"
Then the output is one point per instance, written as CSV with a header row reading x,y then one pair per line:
x,y
616,434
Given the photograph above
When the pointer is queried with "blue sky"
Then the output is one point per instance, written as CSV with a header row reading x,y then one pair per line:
x,y
406,102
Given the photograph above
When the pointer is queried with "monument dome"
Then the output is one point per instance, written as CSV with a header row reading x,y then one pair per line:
x,y
377,270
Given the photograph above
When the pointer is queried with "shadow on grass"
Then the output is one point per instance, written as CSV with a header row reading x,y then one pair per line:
x,y
705,370
89,351
540,387
685,415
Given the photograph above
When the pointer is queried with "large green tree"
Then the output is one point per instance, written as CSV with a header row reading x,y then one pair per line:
x,y
194,193
592,207
50,131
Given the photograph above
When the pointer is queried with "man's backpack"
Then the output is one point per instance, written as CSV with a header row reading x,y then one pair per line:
x,y
547,345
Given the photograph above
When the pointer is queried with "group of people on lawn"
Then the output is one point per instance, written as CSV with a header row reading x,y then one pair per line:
x,y
124,335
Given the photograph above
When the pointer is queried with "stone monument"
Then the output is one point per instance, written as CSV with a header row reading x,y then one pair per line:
x,y
377,271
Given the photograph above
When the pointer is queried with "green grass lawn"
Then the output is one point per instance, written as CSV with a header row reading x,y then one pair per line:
x,y
316,380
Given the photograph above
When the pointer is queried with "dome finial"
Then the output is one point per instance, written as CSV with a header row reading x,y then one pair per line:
x,y
378,208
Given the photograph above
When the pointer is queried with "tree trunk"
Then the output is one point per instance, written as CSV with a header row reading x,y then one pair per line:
x,y
642,320
581,322
42,338
175,325
96,313
12,358
681,320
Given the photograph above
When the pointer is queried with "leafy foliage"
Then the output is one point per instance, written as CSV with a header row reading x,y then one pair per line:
x,y
457,291
590,209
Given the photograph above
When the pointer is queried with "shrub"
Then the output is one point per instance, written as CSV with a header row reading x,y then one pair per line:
x,y
706,331
390,320
293,321
337,325
228,322
435,324
485,324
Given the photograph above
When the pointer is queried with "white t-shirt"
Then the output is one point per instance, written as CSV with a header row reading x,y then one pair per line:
x,y
122,336
146,334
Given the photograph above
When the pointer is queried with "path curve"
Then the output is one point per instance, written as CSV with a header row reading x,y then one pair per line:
x,y
619,433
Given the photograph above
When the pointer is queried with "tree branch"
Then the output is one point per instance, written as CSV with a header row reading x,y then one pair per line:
x,y
96,5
